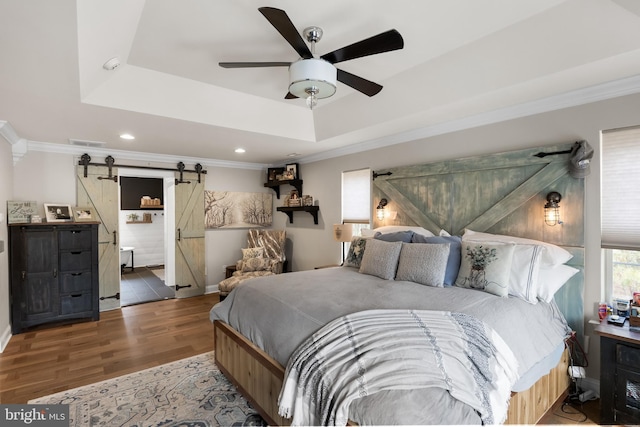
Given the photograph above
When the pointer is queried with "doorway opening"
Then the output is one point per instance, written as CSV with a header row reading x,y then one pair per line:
x,y
146,223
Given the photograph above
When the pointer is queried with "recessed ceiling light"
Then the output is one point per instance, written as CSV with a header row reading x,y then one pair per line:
x,y
294,155
240,150
127,136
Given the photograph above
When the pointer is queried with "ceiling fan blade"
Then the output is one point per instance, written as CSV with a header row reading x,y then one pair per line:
x,y
358,83
289,95
253,64
281,22
383,42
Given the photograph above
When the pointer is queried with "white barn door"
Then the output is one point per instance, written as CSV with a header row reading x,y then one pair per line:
x,y
189,235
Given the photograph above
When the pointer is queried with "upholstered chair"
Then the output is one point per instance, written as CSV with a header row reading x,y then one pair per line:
x,y
264,256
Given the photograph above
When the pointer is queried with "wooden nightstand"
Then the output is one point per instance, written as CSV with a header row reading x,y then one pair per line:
x,y
619,374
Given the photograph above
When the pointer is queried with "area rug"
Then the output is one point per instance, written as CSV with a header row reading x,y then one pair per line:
x,y
188,393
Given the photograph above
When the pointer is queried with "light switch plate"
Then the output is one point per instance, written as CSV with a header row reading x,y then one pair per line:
x,y
1,217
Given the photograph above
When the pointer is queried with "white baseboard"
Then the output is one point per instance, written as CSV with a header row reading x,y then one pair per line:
x,y
4,338
211,289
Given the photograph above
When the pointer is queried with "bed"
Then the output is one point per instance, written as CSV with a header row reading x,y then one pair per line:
x,y
262,323
263,329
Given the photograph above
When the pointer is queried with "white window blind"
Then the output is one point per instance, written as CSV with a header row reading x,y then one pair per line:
x,y
620,195
356,196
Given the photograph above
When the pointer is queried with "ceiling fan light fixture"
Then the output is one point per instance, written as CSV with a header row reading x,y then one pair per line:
x,y
312,79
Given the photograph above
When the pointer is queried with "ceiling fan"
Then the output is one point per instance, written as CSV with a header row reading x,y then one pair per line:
x,y
315,78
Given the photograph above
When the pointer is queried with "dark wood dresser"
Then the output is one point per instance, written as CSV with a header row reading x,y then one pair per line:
x,y
619,374
53,273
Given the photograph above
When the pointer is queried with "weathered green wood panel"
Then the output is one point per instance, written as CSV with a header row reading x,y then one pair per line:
x,y
500,193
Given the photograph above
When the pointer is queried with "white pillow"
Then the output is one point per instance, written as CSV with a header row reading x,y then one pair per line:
x,y
486,266
525,272
423,263
552,255
393,228
551,279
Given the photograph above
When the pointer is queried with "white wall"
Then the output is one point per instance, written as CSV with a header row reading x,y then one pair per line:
x,y
147,238
6,194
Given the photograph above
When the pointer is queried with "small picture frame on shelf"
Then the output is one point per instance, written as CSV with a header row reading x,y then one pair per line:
x,y
83,214
292,170
274,174
55,212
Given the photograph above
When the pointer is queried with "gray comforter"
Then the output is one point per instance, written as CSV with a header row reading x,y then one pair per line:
x,y
278,313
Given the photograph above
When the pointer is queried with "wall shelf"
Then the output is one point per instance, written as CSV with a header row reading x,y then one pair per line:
x,y
140,222
275,185
289,210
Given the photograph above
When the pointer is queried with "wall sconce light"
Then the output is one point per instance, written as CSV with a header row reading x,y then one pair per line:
x,y
380,209
552,209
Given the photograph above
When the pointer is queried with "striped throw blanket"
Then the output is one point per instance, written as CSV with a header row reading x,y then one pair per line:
x,y
375,350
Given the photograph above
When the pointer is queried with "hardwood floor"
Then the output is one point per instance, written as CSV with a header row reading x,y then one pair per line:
x,y
576,413
53,359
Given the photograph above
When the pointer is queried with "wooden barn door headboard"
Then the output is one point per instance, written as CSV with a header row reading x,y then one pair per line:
x,y
501,193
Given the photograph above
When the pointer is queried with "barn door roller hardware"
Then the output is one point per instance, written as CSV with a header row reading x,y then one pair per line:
x,y
375,174
180,167
85,160
553,153
109,161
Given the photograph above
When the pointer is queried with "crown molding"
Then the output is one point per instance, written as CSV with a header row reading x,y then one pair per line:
x,y
18,145
121,155
602,92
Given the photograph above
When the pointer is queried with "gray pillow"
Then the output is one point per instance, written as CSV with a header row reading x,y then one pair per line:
x,y
397,236
453,263
423,263
381,259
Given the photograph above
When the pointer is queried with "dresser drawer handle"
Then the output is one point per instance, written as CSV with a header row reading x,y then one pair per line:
x,y
76,253
76,274
76,295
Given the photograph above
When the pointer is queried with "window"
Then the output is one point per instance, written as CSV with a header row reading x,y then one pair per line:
x,y
620,201
356,200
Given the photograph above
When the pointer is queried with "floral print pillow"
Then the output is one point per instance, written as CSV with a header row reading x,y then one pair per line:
x,y
356,251
486,267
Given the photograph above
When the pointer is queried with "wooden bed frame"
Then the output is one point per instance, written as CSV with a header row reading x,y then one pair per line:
x,y
259,378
